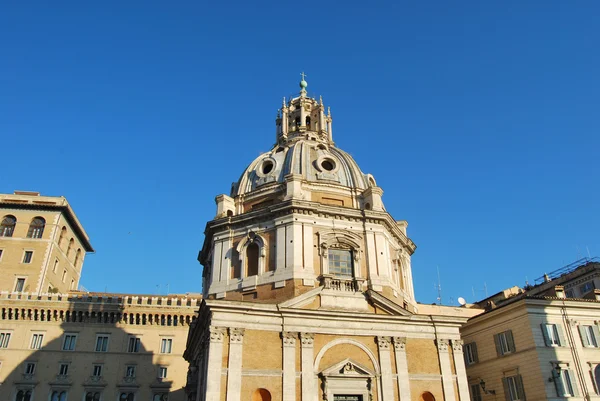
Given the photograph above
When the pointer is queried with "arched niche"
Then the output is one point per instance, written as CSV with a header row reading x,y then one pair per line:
x,y
254,246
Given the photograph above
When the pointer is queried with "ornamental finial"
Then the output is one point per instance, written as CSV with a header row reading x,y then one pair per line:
x,y
303,83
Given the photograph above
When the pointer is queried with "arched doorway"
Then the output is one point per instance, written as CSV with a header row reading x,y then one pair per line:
x,y
427,396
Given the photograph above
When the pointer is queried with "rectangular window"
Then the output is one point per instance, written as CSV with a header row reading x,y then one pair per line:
x,y
63,369
134,344
564,381
470,351
587,287
20,285
69,342
102,343
36,341
1,251
4,340
570,293
64,276
55,267
475,392
27,256
553,335
165,345
589,335
340,262
162,372
97,370
130,371
30,368
513,388
505,343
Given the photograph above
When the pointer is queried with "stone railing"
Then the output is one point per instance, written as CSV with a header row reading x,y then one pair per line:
x,y
343,284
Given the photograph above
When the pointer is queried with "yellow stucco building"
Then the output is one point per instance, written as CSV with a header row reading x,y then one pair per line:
x,y
307,285
59,344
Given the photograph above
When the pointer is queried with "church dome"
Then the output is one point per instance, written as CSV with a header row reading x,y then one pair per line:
x,y
309,158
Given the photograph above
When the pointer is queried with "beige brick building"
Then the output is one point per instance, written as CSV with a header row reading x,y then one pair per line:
x,y
538,343
42,244
59,345
308,291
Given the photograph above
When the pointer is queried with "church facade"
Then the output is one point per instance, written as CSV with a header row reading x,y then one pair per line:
x,y
307,285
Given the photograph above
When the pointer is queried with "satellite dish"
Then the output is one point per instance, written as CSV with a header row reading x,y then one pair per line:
x,y
462,301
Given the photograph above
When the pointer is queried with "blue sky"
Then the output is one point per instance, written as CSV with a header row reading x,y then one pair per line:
x,y
478,119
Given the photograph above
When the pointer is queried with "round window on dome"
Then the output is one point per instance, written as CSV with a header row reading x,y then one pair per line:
x,y
328,165
267,167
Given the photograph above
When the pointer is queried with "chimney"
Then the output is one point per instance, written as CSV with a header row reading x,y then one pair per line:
x,y
559,290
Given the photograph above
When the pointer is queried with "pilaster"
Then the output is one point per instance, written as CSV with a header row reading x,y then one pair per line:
x,y
385,366
402,368
289,366
309,390
446,368
461,371
215,362
234,367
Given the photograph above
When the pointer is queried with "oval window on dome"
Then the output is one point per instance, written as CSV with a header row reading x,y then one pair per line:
x,y
328,165
267,167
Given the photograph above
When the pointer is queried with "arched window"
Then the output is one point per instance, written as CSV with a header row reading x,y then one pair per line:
x,y
70,248
77,257
261,394
340,262
126,397
297,122
36,228
252,255
307,122
59,396
92,396
160,397
24,395
63,232
7,227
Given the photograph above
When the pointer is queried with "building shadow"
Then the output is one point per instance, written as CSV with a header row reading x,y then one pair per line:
x,y
75,347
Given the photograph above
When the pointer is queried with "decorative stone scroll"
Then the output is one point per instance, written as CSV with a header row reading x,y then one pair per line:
x,y
307,339
442,344
383,342
216,334
399,343
236,335
289,338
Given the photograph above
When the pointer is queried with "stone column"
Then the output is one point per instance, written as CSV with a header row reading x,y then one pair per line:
x,y
215,362
446,368
289,366
385,365
402,368
309,390
234,366
461,371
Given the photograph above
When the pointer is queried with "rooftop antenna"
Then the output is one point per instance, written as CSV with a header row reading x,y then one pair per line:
x,y
462,301
485,288
439,286
473,291
167,289
588,251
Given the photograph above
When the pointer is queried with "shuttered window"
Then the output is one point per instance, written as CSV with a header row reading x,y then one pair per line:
x,y
505,343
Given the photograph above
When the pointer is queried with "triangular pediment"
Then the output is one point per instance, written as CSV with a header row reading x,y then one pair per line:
x,y
385,304
302,301
347,368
